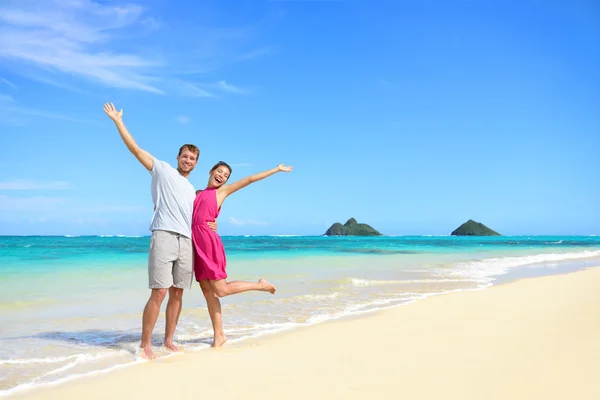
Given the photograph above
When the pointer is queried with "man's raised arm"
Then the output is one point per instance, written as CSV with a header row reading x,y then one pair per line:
x,y
142,155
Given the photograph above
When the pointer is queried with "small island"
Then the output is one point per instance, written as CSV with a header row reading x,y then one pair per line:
x,y
351,228
472,228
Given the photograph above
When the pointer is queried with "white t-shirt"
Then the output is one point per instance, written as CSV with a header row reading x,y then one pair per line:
x,y
174,197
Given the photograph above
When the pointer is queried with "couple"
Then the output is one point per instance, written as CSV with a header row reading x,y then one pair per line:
x,y
184,239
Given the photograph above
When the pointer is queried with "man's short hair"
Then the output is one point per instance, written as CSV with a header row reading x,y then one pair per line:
x,y
190,147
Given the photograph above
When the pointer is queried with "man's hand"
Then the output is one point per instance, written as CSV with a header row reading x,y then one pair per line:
x,y
213,225
111,111
142,155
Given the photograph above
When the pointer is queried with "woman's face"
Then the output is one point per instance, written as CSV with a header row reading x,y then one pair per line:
x,y
218,176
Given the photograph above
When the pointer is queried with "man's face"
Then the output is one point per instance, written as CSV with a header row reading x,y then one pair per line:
x,y
186,161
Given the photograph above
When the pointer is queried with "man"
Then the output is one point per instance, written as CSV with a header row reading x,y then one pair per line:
x,y
170,261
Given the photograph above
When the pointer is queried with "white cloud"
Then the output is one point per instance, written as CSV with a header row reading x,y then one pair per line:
x,y
151,23
49,81
53,220
5,98
189,89
82,38
23,184
117,209
223,85
9,204
386,84
72,36
14,115
235,221
202,89
6,116
63,209
254,54
182,119
241,165
7,82
44,114
305,1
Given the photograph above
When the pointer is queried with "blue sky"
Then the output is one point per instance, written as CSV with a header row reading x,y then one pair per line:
x,y
412,116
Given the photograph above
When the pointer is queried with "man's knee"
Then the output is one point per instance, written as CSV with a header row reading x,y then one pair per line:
x,y
158,295
175,293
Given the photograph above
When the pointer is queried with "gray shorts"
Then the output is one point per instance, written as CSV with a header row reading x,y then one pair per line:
x,y
171,261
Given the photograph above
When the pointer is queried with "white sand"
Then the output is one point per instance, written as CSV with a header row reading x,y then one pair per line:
x,y
533,339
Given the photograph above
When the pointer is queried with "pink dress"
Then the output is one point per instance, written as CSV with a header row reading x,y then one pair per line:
x,y
209,254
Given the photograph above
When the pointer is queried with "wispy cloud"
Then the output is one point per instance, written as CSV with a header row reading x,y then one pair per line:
x,y
385,82
48,208
182,119
81,221
305,1
208,89
191,90
7,117
72,37
235,221
45,114
224,85
13,115
255,53
7,82
5,98
37,203
25,184
242,165
82,38
44,79
117,209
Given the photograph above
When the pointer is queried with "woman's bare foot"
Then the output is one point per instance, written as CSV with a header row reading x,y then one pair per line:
x,y
219,341
266,286
147,353
171,346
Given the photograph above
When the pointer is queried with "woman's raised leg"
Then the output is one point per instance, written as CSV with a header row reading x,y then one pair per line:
x,y
223,288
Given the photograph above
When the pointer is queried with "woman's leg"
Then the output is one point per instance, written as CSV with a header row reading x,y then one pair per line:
x,y
214,310
223,288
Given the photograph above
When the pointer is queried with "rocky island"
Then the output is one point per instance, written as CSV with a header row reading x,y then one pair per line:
x,y
472,228
351,228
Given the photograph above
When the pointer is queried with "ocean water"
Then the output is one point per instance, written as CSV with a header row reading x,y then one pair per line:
x,y
71,306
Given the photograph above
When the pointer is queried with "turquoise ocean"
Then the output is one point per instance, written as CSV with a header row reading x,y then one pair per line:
x,y
71,306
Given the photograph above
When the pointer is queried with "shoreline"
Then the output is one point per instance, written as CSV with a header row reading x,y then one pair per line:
x,y
334,362
108,346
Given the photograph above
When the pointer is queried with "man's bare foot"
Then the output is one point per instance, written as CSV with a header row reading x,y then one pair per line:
x,y
267,287
147,353
219,341
171,346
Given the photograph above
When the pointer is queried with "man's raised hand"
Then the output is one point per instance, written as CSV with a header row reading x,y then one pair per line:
x,y
111,111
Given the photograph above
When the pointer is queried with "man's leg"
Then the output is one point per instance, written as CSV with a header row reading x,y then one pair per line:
x,y
163,251
173,311
149,320
182,275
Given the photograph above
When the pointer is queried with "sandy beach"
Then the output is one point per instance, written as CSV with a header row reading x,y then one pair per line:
x,y
537,338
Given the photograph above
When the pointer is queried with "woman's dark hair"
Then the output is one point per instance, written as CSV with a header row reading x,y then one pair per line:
x,y
223,163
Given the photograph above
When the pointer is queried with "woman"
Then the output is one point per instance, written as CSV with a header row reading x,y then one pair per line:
x,y
209,254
